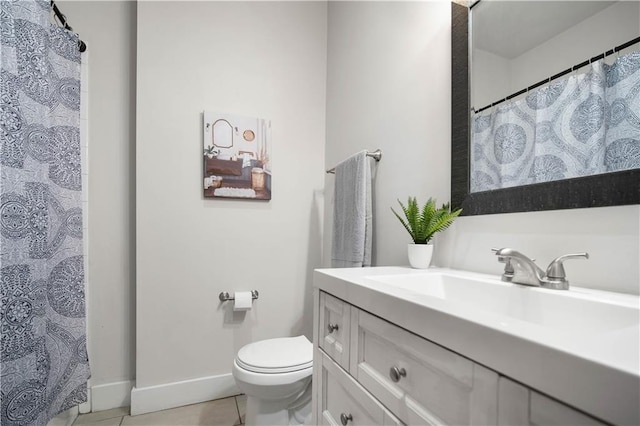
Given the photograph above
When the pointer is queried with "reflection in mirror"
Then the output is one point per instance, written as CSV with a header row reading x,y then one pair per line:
x,y
572,107
583,122
517,44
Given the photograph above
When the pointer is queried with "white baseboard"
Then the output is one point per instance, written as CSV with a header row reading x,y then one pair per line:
x,y
111,395
85,407
177,394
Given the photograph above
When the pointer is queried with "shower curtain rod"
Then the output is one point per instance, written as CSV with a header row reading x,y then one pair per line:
x,y
560,74
376,155
63,21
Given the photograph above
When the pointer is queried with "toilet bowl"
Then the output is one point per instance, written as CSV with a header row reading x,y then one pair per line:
x,y
275,374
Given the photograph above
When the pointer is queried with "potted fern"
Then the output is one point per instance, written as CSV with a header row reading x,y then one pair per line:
x,y
422,225
210,151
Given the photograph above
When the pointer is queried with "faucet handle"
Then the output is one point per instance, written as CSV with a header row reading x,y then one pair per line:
x,y
501,258
555,271
508,267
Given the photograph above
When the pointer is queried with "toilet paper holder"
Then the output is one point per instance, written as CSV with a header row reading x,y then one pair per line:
x,y
225,296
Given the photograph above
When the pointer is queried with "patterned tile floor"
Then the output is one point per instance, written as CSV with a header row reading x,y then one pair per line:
x,y
221,412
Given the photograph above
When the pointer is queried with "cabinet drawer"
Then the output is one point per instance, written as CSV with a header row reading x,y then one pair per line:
x,y
519,405
343,401
431,385
334,328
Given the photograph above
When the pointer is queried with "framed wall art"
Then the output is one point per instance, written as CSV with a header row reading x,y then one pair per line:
x,y
236,157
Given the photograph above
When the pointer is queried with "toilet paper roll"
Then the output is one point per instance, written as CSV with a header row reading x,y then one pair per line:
x,y
242,301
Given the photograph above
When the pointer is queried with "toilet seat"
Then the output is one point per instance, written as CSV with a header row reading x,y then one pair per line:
x,y
276,376
276,356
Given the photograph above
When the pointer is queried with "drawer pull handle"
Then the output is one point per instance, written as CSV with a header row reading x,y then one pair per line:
x,y
345,418
332,328
397,373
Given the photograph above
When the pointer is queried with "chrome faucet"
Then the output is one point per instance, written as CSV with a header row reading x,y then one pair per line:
x,y
520,269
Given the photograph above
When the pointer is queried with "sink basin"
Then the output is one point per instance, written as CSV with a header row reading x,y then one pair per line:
x,y
577,310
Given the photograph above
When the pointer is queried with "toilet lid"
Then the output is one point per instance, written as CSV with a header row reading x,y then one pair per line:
x,y
280,355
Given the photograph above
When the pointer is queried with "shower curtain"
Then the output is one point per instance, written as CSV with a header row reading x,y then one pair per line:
x,y
582,125
44,365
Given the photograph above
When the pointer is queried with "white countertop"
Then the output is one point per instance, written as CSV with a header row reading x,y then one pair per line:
x,y
596,372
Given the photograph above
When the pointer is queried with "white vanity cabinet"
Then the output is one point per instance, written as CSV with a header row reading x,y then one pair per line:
x,y
519,405
371,371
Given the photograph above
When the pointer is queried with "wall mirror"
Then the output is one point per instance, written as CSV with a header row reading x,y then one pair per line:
x,y
527,79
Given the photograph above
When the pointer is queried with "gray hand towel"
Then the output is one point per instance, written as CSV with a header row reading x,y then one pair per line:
x,y
352,213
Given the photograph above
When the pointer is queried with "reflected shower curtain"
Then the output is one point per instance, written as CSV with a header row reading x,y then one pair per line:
x,y
577,126
44,366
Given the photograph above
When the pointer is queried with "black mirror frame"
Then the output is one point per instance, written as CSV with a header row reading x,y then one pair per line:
x,y
609,189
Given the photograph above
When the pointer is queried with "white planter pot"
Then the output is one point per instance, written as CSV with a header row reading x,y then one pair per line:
x,y
420,255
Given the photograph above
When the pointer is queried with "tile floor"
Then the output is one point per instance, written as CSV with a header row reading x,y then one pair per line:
x,y
221,412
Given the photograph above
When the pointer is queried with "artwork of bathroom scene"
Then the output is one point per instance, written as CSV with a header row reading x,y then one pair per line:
x,y
236,157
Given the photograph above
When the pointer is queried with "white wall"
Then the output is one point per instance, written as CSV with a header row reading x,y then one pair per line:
x,y
611,236
389,87
108,28
263,59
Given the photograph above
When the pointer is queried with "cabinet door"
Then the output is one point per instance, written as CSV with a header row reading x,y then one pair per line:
x,y
548,412
344,402
519,405
513,403
419,381
334,328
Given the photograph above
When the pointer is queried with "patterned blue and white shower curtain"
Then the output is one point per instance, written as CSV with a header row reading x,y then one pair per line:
x,y
44,366
578,126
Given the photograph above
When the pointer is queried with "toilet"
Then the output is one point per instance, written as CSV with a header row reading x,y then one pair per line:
x,y
275,374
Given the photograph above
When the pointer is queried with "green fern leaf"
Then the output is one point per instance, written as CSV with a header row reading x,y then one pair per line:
x,y
423,224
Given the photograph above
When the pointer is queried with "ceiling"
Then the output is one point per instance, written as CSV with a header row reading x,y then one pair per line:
x,y
508,28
